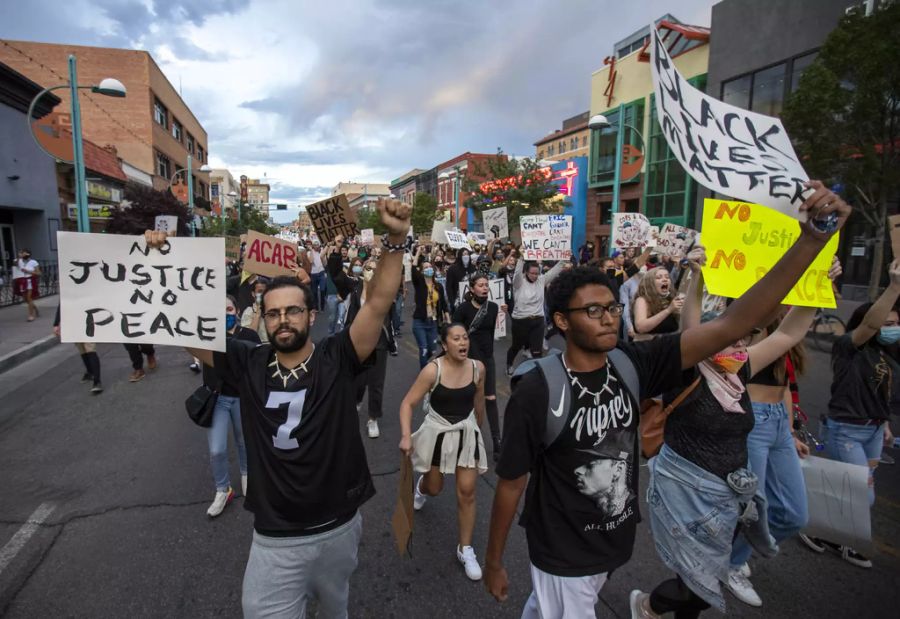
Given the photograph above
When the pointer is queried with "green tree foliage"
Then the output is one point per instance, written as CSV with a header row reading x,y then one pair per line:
x,y
525,189
251,219
845,118
368,218
424,212
141,205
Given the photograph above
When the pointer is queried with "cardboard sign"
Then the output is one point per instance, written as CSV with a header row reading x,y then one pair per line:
x,y
894,227
166,223
674,240
456,239
496,289
402,520
331,217
437,231
838,499
113,288
269,256
476,238
630,230
723,147
546,237
496,223
743,241
367,236
232,248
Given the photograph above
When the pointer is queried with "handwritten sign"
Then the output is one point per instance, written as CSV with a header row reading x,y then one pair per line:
x,y
269,256
496,223
630,230
113,288
456,239
476,238
496,289
674,240
723,147
331,217
743,241
437,231
166,223
367,236
546,237
232,248
838,499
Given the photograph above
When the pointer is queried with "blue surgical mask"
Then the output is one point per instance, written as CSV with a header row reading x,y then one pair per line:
x,y
428,272
465,261
357,270
889,335
230,321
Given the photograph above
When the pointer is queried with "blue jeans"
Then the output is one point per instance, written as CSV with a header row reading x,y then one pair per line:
x,y
774,459
227,413
853,444
336,311
317,285
426,334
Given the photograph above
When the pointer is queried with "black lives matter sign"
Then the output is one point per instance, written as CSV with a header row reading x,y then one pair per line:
x,y
113,288
725,148
332,217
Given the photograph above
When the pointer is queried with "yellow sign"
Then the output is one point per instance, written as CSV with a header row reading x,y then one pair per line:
x,y
743,241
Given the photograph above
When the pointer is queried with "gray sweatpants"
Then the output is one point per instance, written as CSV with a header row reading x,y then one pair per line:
x,y
283,573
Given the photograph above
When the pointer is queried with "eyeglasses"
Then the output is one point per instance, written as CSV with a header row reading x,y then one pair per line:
x,y
596,311
292,312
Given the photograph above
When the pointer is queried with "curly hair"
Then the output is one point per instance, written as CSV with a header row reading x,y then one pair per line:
x,y
647,289
563,288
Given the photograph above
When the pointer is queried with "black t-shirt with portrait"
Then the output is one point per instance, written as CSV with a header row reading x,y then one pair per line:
x,y
481,340
306,462
581,507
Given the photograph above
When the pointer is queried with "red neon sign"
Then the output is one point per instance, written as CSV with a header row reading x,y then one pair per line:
x,y
567,175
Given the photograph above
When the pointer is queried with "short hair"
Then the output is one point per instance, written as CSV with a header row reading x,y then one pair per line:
x,y
567,283
529,264
289,281
476,276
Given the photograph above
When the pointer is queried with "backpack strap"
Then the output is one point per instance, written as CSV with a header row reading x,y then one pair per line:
x,y
626,370
437,375
474,371
559,392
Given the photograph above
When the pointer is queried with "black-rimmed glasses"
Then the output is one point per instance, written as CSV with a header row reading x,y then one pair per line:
x,y
292,312
596,311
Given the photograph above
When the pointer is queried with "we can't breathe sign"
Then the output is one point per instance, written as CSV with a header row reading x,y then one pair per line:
x,y
114,289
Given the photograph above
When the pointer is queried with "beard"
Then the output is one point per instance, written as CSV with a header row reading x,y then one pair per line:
x,y
296,342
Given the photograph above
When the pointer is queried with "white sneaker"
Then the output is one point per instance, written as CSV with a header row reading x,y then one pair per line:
x,y
419,498
640,605
742,588
372,426
466,556
218,505
745,570
244,485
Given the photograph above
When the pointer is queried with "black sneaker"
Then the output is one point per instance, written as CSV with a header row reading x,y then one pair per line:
x,y
813,543
87,377
854,558
195,368
97,388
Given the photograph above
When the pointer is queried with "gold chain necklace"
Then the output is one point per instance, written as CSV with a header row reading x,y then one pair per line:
x,y
292,373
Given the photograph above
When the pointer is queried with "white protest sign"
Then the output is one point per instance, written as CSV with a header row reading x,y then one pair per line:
x,y
496,289
653,236
166,223
456,239
838,498
546,237
724,148
367,236
476,238
630,230
114,289
496,224
674,240
437,231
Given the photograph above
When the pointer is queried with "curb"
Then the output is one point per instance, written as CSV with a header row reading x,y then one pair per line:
x,y
27,352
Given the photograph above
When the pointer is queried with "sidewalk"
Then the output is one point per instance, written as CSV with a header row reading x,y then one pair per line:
x,y
19,339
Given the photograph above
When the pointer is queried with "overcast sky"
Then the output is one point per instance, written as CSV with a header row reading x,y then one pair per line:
x,y
311,93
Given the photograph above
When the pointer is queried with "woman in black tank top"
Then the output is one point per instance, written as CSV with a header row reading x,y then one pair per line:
x,y
453,389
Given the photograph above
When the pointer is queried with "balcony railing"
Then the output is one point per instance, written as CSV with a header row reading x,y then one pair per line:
x,y
48,284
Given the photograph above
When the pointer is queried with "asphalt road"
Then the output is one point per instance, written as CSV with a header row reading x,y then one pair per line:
x,y
116,489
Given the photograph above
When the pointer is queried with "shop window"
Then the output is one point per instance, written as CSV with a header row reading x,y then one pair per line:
x,y
737,91
603,144
768,90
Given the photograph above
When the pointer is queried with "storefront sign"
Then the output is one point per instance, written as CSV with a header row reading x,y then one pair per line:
x,y
98,212
100,191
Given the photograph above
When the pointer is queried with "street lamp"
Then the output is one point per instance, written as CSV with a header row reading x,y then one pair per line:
x,y
190,183
109,87
446,176
599,121
231,194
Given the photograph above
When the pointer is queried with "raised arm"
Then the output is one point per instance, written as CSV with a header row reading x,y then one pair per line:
x,y
643,321
790,332
555,270
693,302
751,309
879,311
366,328
519,274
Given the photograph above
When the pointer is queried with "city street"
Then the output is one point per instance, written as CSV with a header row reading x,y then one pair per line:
x,y
104,501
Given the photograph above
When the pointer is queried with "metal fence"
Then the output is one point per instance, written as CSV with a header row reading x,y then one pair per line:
x,y
48,284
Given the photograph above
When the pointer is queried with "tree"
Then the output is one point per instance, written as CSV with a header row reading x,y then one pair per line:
x,y
844,118
523,186
424,213
141,204
250,219
367,217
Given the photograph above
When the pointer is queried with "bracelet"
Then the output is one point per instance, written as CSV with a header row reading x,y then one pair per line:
x,y
391,247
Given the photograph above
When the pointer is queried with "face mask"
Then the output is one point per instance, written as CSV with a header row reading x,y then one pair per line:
x,y
363,254
230,321
498,257
465,261
480,299
357,270
732,363
428,272
368,275
889,335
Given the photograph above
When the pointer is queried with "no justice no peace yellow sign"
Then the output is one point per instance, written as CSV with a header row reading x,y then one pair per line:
x,y
743,241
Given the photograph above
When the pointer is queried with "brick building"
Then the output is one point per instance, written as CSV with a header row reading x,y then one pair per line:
x,y
567,143
106,182
152,128
454,171
258,195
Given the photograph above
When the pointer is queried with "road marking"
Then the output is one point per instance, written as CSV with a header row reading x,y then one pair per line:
x,y
18,541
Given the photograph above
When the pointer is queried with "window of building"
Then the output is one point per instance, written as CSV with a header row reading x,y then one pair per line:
x,y
737,91
764,91
603,144
160,114
540,154
584,141
190,143
203,190
214,190
562,146
163,167
177,131
573,144
768,90
201,154
798,66
550,150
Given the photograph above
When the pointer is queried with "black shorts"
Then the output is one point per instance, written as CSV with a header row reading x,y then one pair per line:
x,y
438,443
